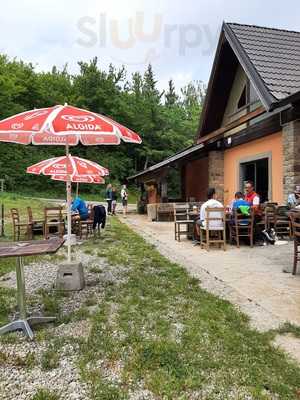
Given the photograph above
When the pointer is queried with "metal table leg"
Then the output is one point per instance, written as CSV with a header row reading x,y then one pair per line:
x,y
23,323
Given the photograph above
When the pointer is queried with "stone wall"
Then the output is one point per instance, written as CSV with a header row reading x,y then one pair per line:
x,y
291,157
216,172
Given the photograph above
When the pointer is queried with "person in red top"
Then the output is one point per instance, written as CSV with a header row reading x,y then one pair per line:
x,y
251,196
253,199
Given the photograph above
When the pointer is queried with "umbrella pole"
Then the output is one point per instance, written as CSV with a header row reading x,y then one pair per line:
x,y
77,189
69,225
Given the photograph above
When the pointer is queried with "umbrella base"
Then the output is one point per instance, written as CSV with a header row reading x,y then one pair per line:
x,y
25,325
70,276
72,241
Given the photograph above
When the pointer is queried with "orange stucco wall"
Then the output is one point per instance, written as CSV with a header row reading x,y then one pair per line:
x,y
270,144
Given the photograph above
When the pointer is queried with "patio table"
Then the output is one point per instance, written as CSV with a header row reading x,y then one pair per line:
x,y
21,250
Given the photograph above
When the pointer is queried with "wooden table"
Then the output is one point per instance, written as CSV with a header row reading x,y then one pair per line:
x,y
21,250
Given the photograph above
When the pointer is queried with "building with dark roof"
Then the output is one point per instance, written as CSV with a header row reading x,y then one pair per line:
x,y
249,127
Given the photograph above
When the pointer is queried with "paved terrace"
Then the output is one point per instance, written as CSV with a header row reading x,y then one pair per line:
x,y
252,279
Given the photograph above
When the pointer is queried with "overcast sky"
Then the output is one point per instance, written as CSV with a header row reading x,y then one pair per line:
x,y
178,37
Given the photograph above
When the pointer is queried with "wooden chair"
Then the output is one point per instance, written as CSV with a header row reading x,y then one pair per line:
x,y
165,211
270,215
283,226
295,218
37,224
20,227
86,227
53,219
241,226
181,218
214,231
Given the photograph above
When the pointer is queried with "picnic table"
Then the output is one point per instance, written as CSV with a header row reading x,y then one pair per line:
x,y
21,250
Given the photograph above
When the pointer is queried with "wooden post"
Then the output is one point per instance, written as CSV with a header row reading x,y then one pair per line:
x,y
2,220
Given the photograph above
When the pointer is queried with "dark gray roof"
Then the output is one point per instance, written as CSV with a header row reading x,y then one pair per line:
x,y
275,54
170,160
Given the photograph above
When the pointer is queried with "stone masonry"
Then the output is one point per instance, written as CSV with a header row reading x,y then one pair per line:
x,y
216,172
291,157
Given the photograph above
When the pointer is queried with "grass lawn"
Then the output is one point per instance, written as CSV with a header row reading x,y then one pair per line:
x,y
156,333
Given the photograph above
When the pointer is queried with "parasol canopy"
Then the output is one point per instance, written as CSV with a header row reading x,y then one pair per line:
x,y
68,165
61,125
80,179
67,126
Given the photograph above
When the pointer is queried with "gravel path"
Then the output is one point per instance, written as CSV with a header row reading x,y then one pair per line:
x,y
19,380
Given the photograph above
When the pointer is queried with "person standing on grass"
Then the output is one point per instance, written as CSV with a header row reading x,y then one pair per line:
x,y
109,198
114,196
124,197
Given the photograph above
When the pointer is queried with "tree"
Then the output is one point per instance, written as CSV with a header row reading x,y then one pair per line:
x,y
171,96
167,122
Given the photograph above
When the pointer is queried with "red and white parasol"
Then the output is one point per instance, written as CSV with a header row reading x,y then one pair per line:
x,y
80,179
73,166
61,125
64,125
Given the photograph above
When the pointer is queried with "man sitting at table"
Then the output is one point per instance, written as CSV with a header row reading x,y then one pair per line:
x,y
78,205
251,196
211,202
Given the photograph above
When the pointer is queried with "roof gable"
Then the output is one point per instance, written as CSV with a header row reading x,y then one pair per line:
x,y
270,59
275,54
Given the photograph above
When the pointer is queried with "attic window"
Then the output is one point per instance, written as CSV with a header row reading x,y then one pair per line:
x,y
243,99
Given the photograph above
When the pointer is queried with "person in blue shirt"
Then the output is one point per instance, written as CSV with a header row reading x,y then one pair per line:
x,y
239,201
78,205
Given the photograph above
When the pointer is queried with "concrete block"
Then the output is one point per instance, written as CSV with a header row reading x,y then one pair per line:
x,y
70,277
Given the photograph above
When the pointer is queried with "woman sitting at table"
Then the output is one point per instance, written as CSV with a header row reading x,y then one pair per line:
x,y
78,205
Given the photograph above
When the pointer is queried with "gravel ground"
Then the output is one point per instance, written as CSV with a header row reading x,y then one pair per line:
x,y
19,381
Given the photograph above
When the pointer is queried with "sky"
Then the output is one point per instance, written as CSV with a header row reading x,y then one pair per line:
x,y
177,37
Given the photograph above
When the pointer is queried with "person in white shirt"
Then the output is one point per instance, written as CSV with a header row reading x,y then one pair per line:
x,y
212,202
124,197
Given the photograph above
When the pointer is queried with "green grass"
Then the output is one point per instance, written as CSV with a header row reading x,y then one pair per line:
x,y
28,361
21,203
173,337
98,195
161,332
45,394
7,303
289,328
50,359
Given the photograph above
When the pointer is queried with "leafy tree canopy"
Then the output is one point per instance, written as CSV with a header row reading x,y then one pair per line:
x,y
167,121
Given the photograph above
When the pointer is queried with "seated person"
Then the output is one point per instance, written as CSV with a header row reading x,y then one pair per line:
x,y
294,198
240,202
251,196
78,205
242,206
211,202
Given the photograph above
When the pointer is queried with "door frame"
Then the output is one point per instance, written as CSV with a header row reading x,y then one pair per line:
x,y
253,158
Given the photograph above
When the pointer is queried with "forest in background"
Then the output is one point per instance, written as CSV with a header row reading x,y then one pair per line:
x,y
166,120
